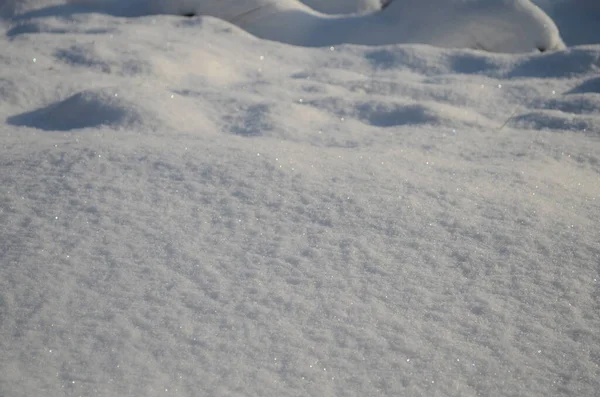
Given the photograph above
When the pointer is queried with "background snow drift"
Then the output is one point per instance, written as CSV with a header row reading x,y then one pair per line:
x,y
186,210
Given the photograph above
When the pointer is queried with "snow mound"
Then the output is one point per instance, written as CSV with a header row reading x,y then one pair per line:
x,y
491,25
86,109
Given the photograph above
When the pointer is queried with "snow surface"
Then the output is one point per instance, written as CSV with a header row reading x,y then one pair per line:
x,y
187,210
508,26
344,6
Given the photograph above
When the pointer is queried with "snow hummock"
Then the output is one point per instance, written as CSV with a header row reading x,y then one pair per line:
x,y
187,209
491,25
89,108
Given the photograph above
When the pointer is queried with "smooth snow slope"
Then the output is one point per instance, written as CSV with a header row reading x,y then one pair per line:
x,y
187,210
509,26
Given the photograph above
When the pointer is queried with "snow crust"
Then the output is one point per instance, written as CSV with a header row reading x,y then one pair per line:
x,y
188,210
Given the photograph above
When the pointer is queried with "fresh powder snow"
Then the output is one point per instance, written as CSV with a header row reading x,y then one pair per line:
x,y
187,209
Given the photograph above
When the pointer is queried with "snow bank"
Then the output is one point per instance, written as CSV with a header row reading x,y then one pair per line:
x,y
188,210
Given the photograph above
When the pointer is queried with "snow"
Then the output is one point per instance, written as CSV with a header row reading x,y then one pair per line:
x,y
345,6
491,25
189,210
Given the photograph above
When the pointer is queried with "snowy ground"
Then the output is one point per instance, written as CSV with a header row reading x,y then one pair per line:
x,y
186,210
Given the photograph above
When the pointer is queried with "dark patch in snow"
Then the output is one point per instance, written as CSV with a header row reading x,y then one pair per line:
x,y
554,120
574,104
405,57
557,64
40,27
252,120
380,115
589,86
471,63
80,56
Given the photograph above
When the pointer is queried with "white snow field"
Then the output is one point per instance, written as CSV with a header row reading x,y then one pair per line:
x,y
188,210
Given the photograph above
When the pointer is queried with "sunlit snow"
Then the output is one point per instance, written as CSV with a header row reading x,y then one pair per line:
x,y
189,210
